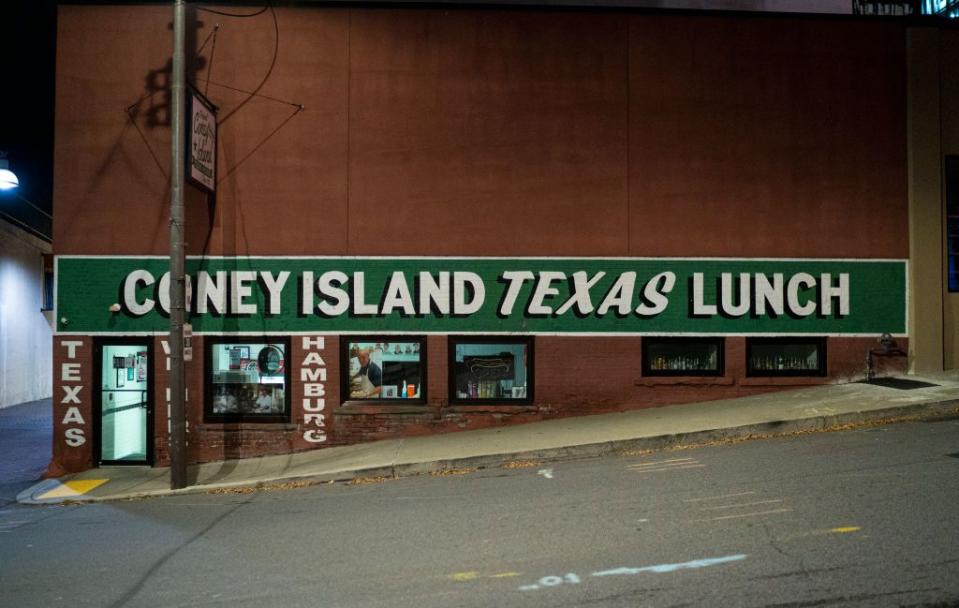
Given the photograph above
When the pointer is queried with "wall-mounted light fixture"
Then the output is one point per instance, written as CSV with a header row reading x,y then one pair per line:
x,y
8,179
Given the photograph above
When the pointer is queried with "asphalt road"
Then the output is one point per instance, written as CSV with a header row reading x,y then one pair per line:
x,y
857,518
25,432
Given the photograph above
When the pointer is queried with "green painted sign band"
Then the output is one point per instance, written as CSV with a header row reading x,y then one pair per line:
x,y
546,296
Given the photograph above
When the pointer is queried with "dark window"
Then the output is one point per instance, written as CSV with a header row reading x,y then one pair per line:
x,y
248,380
491,370
952,222
785,356
384,369
683,356
46,267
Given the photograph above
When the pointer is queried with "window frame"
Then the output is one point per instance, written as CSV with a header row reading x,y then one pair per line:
x,y
819,341
385,402
951,206
47,289
453,340
718,341
209,416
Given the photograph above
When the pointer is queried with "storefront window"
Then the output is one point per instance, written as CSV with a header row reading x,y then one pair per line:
x,y
494,370
683,356
384,369
247,381
786,357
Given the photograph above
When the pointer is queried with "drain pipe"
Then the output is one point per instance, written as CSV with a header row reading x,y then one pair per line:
x,y
889,348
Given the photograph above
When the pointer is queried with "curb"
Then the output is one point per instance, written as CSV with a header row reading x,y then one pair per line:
x,y
945,409
765,430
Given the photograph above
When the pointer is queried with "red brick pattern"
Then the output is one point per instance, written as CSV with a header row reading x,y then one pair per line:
x,y
477,133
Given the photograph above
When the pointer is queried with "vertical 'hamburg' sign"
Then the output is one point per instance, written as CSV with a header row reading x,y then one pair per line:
x,y
201,141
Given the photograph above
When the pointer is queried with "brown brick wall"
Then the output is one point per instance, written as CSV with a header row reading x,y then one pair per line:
x,y
483,132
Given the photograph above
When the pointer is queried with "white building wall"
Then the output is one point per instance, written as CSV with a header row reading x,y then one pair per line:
x,y
25,331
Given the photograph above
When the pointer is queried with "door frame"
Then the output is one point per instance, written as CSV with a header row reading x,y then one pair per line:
x,y
98,344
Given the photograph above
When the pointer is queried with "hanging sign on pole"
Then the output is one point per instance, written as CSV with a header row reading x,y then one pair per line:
x,y
201,141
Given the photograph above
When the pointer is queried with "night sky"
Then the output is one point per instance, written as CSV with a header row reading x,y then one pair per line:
x,y
28,59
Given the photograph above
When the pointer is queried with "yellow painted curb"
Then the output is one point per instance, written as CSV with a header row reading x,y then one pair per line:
x,y
72,489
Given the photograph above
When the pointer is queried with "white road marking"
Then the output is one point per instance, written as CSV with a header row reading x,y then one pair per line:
x,y
743,515
573,578
678,468
717,497
658,462
663,568
547,473
743,504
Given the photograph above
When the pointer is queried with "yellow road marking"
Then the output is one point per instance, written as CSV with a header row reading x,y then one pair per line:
x,y
840,530
464,576
743,515
658,462
505,574
717,497
73,488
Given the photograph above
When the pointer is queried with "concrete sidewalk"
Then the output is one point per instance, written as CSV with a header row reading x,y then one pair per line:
x,y
807,409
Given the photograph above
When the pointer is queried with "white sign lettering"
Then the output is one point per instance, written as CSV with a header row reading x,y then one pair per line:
x,y
313,374
202,143
73,436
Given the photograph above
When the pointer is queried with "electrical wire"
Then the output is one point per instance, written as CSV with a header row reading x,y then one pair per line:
x,y
276,51
34,231
225,14
259,145
131,114
209,68
196,55
260,95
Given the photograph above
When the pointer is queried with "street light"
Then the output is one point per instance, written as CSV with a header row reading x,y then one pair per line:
x,y
8,179
9,182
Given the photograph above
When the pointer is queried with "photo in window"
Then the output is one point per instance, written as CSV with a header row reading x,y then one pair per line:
x,y
247,380
490,370
385,369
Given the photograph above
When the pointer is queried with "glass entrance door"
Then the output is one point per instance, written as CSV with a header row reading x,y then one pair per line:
x,y
125,403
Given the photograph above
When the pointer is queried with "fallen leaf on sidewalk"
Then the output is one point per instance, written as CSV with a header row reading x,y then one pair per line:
x,y
359,481
521,464
452,472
